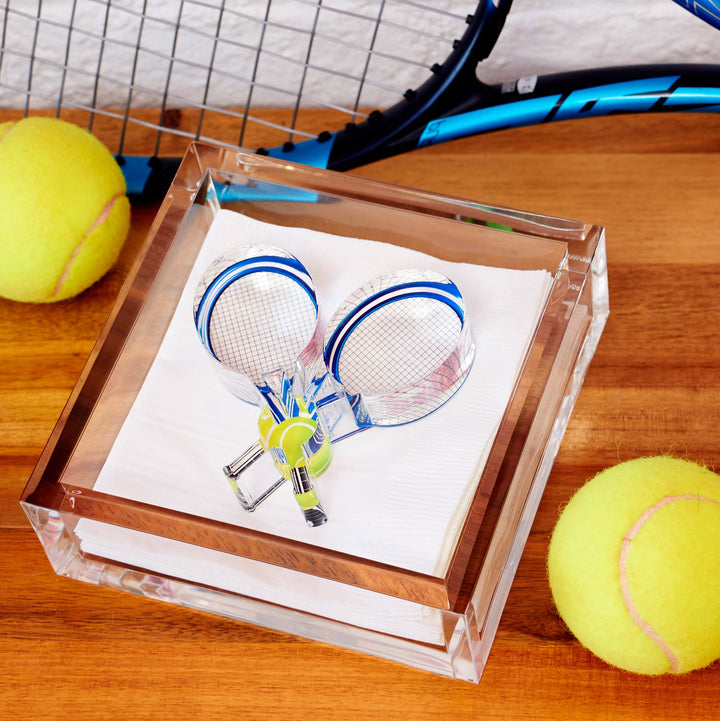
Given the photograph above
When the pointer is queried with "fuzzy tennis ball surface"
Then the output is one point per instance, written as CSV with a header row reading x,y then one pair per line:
x,y
634,565
64,215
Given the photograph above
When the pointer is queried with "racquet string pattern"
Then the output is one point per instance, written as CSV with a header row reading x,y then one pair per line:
x,y
255,310
117,59
261,323
398,345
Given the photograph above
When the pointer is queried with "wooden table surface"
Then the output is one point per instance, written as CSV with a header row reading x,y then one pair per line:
x,y
69,650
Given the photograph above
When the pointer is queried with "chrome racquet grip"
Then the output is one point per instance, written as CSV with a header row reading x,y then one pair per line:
x,y
306,497
244,461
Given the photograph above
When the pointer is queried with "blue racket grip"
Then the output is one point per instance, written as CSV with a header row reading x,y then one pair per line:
x,y
147,178
150,177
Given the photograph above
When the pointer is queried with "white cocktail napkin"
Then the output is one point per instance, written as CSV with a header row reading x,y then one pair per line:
x,y
393,495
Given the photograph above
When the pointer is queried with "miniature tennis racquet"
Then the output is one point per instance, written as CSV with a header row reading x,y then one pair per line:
x,y
256,313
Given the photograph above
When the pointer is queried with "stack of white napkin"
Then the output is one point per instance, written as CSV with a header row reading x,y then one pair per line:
x,y
394,495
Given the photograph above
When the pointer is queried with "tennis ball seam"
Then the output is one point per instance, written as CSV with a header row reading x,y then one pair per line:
x,y
102,216
626,592
10,126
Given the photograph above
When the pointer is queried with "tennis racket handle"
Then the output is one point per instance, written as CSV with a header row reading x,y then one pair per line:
x,y
306,497
243,462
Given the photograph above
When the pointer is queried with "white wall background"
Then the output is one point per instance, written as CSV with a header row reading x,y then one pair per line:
x,y
553,35
540,36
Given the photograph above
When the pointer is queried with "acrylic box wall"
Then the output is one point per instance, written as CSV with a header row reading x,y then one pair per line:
x,y
181,548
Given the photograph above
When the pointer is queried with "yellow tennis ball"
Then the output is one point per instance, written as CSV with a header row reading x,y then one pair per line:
x,y
634,565
64,215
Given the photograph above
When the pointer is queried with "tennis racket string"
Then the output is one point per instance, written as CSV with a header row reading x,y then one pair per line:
x,y
256,312
272,317
398,338
399,346
134,63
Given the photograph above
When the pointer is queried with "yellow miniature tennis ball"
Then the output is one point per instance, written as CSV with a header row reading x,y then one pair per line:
x,y
634,565
64,215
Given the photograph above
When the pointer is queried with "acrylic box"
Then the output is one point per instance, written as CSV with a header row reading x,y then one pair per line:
x,y
427,521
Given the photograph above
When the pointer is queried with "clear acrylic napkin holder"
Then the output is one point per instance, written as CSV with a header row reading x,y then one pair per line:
x,y
460,609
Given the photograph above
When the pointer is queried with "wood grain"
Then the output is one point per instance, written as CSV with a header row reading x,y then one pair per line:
x,y
71,650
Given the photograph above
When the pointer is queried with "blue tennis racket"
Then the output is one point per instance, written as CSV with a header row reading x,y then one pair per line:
x,y
151,76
